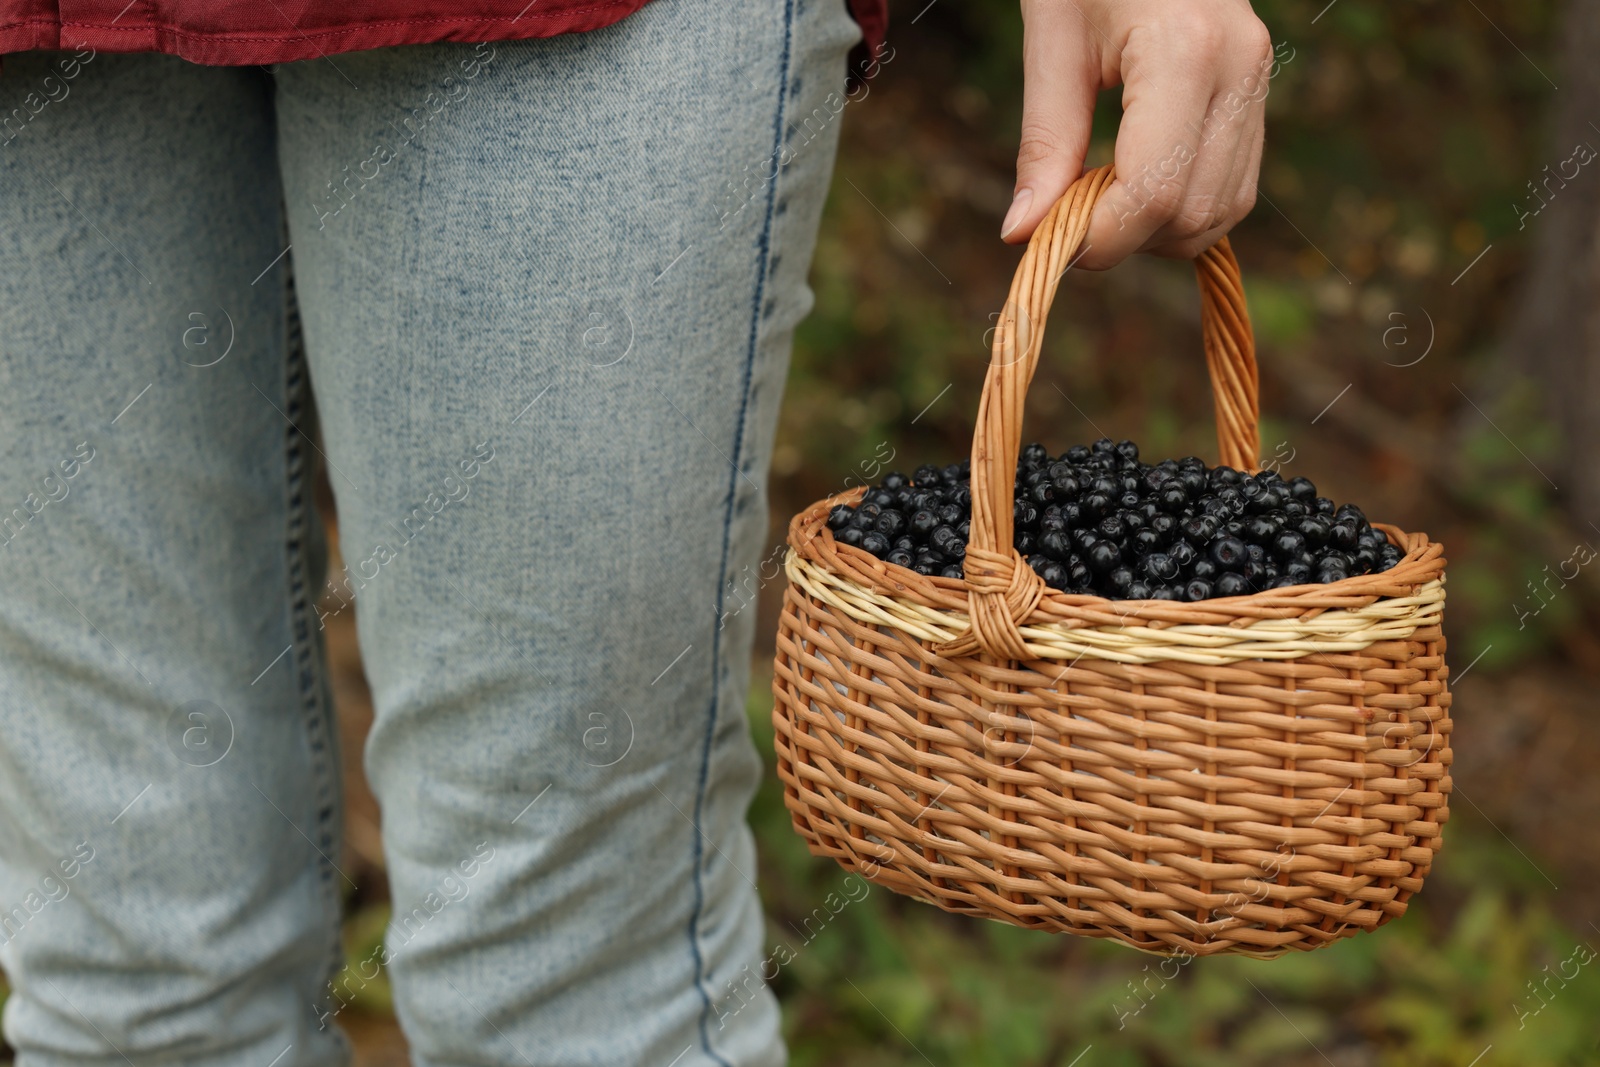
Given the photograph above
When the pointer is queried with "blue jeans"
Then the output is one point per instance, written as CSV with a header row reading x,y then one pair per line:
x,y
547,292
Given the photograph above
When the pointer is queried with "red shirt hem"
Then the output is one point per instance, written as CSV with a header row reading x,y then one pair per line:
x,y
221,48
213,46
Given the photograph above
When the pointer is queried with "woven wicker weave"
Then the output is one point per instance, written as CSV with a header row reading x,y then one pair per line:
x,y
1250,774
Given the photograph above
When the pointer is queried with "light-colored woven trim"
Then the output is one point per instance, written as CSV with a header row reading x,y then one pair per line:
x,y
1333,630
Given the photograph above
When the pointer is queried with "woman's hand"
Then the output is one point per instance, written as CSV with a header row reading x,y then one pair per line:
x,y
1194,76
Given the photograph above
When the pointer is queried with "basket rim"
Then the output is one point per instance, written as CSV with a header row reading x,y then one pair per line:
x,y
1422,563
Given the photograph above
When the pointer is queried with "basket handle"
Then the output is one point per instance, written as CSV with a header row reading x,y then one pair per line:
x,y
1002,589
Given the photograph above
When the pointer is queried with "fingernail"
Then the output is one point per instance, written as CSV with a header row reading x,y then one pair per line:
x,y
1019,208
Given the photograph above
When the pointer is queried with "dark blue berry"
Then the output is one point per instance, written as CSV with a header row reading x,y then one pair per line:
x,y
1159,568
1229,583
1200,529
1302,490
1102,556
1054,574
1145,541
1268,500
1260,529
876,543
1228,553
1055,544
1096,506
948,542
1315,530
1224,476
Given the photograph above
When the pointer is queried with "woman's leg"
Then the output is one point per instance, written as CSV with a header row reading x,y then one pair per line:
x,y
549,291
169,813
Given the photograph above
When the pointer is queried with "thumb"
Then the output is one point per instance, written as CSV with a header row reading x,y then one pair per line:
x,y
1061,76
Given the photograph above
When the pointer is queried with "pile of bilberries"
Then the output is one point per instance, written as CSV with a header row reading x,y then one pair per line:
x,y
1097,520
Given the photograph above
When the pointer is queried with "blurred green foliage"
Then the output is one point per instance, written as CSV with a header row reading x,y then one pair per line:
x,y
890,982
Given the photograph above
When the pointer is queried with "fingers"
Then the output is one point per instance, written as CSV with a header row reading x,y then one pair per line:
x,y
1189,145
1061,75
1167,89
1247,166
1223,188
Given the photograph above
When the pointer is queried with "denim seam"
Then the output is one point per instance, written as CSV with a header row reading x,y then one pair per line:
x,y
303,637
763,251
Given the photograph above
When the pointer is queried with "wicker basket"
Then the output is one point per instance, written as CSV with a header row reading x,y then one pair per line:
x,y
1249,774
